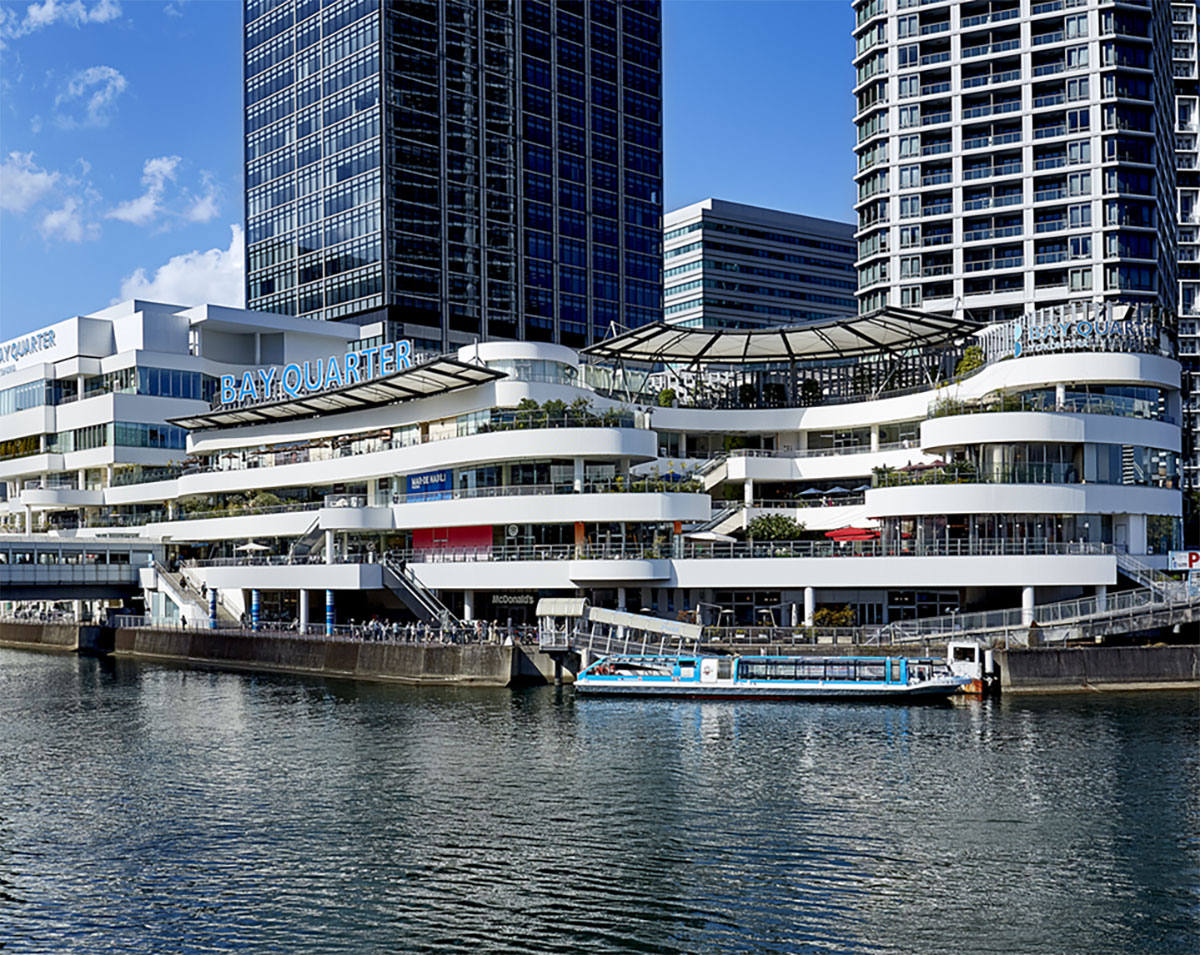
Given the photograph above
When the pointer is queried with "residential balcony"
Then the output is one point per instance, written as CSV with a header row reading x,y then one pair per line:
x,y
1008,76
991,109
934,118
983,265
1049,258
1002,232
1049,99
1049,69
1046,38
997,17
1049,132
982,142
1005,169
993,49
992,202
935,149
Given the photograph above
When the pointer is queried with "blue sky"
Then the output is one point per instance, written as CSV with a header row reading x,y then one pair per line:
x,y
120,138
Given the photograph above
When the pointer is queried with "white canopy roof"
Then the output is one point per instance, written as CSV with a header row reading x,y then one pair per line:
x,y
882,331
435,377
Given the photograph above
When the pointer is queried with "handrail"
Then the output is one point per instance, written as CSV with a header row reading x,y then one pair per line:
x,y
681,549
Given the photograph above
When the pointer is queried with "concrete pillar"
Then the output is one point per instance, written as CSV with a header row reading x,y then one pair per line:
x,y
302,609
620,598
1102,597
579,475
81,480
255,607
810,606
78,606
468,605
874,437
1060,395
802,441
683,451
329,547
1027,596
329,613
1137,533
748,492
373,492
28,519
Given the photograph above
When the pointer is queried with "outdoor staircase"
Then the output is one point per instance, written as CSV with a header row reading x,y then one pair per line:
x,y
401,581
307,542
729,517
1129,611
713,471
1142,573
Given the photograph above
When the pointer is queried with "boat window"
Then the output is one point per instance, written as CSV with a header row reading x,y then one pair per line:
x,y
965,653
816,668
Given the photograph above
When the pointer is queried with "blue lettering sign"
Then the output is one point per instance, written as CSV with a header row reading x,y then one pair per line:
x,y
291,380
333,374
352,368
431,485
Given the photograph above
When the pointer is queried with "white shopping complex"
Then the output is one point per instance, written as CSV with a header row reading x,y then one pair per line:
x,y
933,468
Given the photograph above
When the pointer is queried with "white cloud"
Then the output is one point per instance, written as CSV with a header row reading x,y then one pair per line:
x,y
214,277
145,208
67,223
22,183
204,208
40,15
98,87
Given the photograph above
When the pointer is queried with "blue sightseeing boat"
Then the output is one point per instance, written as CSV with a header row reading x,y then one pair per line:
x,y
770,677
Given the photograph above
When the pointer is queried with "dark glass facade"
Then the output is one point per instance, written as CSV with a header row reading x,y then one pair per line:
x,y
460,169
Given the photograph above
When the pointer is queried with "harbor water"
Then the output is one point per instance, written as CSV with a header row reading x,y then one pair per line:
x,y
148,808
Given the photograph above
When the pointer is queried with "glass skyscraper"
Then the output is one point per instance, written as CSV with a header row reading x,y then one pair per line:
x,y
457,169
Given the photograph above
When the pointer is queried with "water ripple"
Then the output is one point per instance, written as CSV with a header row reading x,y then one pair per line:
x,y
148,809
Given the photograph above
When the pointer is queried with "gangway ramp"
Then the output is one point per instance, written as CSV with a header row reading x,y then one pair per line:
x,y
601,631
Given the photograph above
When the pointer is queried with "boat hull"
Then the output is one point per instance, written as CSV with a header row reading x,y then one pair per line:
x,y
929,691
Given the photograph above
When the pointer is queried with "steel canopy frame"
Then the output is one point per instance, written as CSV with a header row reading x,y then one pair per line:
x,y
440,376
883,332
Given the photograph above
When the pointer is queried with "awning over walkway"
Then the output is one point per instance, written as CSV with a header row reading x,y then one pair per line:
x,y
888,330
562,607
644,623
440,376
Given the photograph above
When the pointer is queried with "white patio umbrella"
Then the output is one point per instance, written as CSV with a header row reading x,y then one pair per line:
x,y
709,536
251,545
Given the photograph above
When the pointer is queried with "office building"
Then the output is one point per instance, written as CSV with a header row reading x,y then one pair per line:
x,y
1014,154
456,169
728,265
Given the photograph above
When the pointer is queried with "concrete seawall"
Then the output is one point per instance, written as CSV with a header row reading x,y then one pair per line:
x,y
1087,669
53,637
461,665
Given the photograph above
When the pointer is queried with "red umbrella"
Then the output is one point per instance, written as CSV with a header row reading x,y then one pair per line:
x,y
853,534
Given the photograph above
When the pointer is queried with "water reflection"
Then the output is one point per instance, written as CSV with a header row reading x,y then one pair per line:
x,y
148,809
